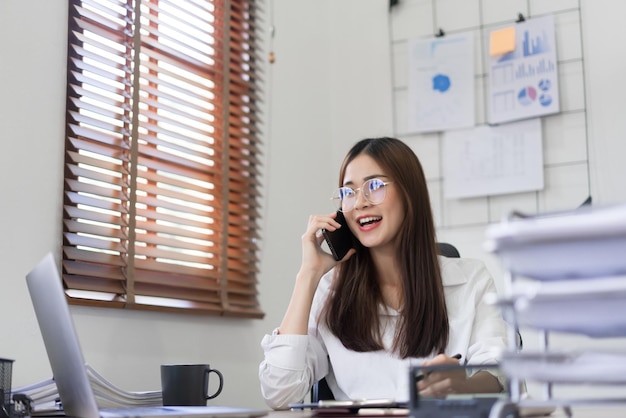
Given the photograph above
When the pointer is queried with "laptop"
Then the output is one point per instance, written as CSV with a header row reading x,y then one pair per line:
x,y
68,365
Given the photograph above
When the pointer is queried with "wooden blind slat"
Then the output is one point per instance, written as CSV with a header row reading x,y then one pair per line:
x,y
174,160
73,212
176,230
93,174
115,142
100,258
203,174
78,199
184,222
180,294
100,19
190,184
160,246
115,287
93,243
87,160
86,228
210,72
79,268
204,199
95,189
174,269
114,70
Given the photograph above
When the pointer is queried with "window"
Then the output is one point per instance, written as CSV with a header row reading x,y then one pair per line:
x,y
162,156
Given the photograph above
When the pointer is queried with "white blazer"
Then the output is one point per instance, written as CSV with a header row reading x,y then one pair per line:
x,y
293,363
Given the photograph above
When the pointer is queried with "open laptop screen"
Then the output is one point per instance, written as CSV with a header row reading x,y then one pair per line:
x,y
60,339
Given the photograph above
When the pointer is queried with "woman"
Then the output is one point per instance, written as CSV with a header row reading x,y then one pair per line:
x,y
390,303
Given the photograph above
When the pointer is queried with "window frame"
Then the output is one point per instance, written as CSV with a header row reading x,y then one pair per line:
x,y
162,185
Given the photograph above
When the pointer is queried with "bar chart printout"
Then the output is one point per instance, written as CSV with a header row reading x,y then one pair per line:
x,y
487,161
523,83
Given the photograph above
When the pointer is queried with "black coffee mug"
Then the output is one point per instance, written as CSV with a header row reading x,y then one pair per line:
x,y
188,384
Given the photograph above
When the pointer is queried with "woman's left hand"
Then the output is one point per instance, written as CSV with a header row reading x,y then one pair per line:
x,y
441,383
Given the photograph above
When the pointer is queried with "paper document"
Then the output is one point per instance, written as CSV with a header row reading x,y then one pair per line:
x,y
441,83
587,242
43,394
566,367
523,83
594,307
486,160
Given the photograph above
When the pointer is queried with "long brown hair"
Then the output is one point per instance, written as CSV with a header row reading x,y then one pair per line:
x,y
351,311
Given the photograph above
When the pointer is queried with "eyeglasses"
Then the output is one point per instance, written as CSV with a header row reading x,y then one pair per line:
x,y
374,191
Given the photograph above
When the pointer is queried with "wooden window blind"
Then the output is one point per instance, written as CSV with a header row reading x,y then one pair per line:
x,y
162,156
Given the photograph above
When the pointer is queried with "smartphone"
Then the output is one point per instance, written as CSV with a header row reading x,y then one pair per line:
x,y
340,240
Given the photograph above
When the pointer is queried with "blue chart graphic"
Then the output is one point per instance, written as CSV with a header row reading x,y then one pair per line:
x,y
441,82
527,95
530,46
535,46
545,100
545,67
545,84
530,70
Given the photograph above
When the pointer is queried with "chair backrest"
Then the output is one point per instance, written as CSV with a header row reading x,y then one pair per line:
x,y
448,250
320,390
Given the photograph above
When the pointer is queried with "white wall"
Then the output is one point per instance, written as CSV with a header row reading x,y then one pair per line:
x,y
606,63
331,85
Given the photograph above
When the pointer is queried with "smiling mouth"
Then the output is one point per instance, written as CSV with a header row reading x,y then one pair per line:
x,y
369,220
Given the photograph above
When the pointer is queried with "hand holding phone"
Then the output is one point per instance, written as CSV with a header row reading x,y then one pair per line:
x,y
340,240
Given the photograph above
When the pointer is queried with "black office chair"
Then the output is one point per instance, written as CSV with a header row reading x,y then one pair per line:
x,y
320,390
448,250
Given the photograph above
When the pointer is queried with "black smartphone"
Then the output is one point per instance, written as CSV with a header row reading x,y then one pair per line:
x,y
340,240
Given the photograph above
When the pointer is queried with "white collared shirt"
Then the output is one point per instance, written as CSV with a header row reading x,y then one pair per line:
x,y
294,362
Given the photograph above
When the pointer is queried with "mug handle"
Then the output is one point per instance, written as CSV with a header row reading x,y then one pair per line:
x,y
219,389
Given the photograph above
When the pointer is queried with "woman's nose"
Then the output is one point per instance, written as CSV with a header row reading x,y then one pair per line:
x,y
360,200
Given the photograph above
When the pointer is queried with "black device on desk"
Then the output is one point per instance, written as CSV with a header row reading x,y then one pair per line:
x,y
360,407
453,406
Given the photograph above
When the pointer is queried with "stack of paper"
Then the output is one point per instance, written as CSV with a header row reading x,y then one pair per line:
x,y
593,307
588,367
587,242
109,395
44,394
568,274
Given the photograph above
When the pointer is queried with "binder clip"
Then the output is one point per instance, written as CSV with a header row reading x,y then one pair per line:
x,y
22,405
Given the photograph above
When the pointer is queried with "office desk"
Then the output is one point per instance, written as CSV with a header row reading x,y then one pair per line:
x,y
577,412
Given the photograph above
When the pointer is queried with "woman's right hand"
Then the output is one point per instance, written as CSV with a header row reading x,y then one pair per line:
x,y
315,263
314,258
